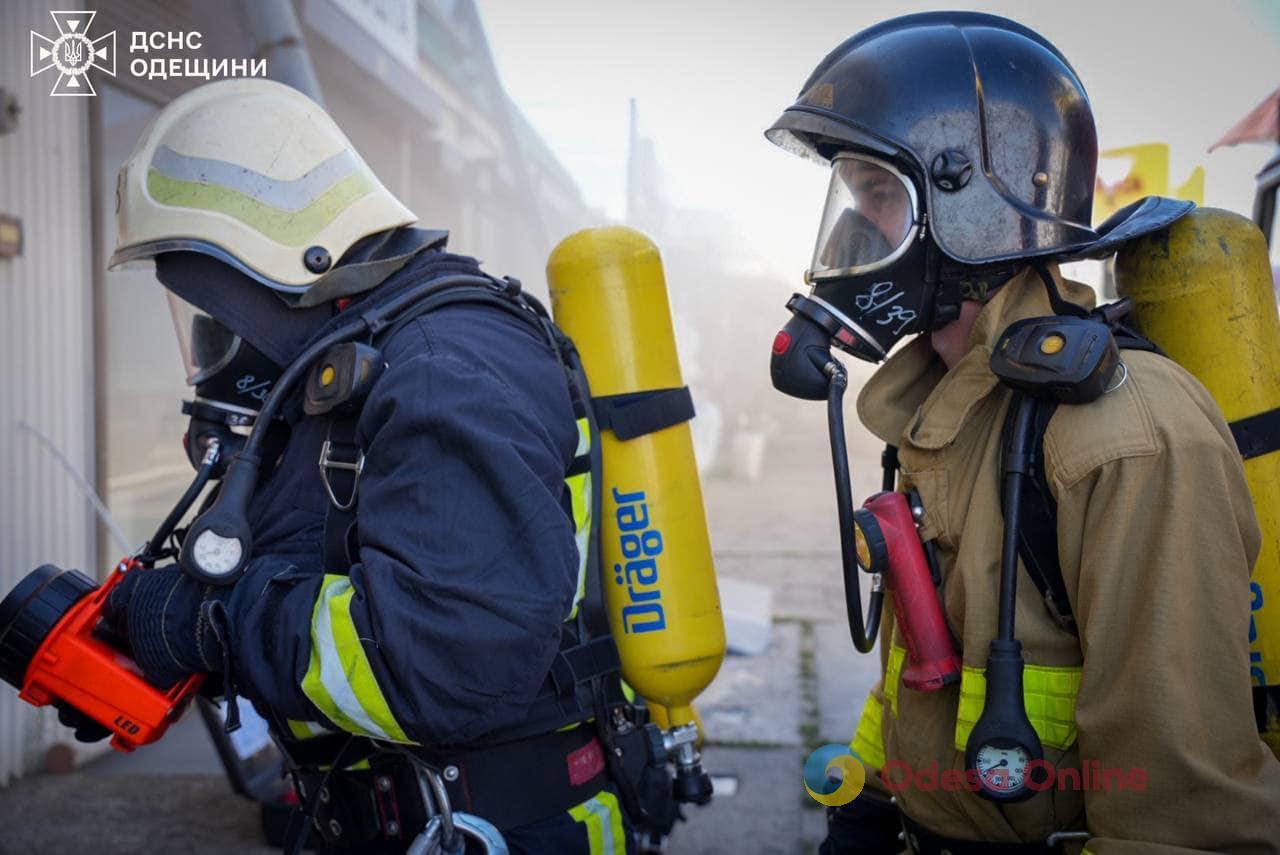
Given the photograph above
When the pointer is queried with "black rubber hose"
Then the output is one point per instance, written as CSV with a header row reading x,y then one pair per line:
x,y
203,474
863,632
1017,462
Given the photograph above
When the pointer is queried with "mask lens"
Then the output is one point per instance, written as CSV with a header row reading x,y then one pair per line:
x,y
869,218
206,345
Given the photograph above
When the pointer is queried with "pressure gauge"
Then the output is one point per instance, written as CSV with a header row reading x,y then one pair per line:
x,y
214,554
219,542
1002,767
1004,748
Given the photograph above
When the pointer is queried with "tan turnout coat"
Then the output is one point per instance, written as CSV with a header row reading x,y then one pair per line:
x,y
1156,537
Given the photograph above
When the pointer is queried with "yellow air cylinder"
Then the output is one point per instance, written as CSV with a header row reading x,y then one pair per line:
x,y
609,295
1202,291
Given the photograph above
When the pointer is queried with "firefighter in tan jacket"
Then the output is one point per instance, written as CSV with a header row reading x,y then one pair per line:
x,y
963,154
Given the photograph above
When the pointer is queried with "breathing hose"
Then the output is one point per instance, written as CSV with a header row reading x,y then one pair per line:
x,y
862,631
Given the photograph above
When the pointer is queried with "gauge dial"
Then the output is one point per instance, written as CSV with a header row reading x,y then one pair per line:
x,y
216,555
1002,769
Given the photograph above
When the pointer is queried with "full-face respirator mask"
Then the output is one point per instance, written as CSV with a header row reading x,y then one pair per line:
x,y
874,277
231,380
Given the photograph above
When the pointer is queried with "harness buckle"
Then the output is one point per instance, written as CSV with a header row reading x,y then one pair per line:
x,y
328,462
1065,620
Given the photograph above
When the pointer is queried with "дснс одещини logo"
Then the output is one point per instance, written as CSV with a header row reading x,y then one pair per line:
x,y
73,53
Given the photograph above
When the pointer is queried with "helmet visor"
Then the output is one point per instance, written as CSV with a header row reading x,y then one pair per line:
x,y
207,346
870,218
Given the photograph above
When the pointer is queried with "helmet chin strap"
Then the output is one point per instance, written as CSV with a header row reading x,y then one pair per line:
x,y
947,293
958,283
1060,305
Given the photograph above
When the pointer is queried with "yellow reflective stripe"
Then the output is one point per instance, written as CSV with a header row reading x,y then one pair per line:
x,y
580,498
1272,738
868,739
357,766
339,679
603,819
306,729
1050,696
892,674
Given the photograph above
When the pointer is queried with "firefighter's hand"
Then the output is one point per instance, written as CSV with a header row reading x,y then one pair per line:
x,y
163,616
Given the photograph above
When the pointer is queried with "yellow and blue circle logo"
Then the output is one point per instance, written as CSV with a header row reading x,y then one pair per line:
x,y
834,775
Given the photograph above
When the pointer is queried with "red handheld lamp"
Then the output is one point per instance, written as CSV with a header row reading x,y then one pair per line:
x,y
52,649
888,543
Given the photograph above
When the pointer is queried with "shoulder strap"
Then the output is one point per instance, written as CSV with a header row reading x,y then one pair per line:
x,y
1038,538
592,614
341,460
341,457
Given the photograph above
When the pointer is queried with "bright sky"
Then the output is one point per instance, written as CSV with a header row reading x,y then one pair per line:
x,y
710,75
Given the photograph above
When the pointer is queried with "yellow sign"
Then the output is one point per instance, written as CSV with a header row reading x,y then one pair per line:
x,y
1147,175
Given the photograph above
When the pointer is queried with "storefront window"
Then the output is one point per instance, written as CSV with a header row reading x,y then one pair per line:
x,y
142,468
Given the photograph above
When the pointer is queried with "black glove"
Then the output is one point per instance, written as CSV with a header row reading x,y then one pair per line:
x,y
173,625
86,729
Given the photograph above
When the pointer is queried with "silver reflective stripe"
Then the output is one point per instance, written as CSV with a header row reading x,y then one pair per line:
x,y
603,814
286,195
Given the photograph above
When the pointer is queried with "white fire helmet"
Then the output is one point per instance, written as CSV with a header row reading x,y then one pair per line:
x,y
255,174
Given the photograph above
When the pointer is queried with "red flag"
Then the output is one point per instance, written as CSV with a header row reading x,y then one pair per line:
x,y
1261,125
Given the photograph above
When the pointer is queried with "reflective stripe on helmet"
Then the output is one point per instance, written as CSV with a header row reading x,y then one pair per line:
x,y
580,496
277,192
603,819
339,679
250,172
284,226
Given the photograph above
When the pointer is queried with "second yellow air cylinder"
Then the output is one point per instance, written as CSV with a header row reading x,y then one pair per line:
x,y
1203,292
609,294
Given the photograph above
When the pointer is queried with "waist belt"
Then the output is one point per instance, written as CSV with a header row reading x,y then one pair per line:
x,y
922,841
521,782
510,785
